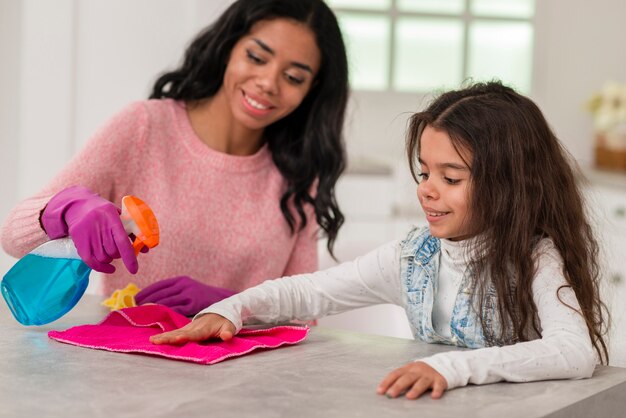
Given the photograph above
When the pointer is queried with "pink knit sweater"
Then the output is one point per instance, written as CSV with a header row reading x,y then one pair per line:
x,y
219,214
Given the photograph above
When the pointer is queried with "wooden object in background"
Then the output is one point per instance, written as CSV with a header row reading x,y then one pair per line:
x,y
609,158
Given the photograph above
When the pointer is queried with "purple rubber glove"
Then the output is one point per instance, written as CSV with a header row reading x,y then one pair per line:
x,y
182,294
94,225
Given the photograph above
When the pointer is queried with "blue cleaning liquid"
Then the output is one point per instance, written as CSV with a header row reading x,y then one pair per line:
x,y
40,289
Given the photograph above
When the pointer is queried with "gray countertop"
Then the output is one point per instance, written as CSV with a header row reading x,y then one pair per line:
x,y
331,374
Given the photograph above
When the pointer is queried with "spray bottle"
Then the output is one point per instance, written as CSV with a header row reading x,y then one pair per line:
x,y
48,282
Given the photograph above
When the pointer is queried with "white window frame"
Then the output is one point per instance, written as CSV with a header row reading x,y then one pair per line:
x,y
467,18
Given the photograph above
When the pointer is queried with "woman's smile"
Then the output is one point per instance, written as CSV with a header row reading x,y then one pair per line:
x,y
269,73
256,105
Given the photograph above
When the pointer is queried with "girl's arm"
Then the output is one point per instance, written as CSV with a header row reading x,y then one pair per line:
x,y
564,350
369,280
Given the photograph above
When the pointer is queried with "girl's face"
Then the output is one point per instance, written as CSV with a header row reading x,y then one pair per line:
x,y
270,71
444,186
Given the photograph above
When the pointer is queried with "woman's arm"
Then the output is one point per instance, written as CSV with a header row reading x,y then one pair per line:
x,y
100,166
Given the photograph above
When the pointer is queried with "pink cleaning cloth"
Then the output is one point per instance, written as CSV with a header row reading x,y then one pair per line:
x,y
128,331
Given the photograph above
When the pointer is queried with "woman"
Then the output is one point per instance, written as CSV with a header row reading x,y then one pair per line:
x,y
238,152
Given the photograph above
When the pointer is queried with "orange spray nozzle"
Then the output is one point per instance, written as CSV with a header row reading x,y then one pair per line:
x,y
139,220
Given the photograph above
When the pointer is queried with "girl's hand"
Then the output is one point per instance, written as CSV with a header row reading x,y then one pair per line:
x,y
414,379
207,326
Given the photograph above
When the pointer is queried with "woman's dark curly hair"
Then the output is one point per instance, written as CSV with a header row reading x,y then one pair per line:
x,y
307,145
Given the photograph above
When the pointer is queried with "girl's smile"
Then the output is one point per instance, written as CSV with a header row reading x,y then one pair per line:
x,y
433,215
443,190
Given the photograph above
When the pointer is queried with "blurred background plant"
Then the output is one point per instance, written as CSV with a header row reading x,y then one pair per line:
x,y
608,108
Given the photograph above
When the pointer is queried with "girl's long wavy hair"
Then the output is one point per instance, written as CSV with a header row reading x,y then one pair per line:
x,y
307,145
523,189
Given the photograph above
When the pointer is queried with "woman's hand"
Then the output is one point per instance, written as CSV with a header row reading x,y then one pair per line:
x,y
207,326
94,224
182,294
413,379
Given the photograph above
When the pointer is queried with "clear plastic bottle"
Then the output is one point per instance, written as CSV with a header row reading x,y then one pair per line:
x,y
48,282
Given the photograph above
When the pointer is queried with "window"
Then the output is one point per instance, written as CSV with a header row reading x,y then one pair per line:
x,y
425,45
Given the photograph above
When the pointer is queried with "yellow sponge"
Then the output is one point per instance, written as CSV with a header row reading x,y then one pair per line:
x,y
122,298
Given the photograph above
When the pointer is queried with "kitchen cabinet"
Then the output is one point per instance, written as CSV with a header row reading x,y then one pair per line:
x,y
606,197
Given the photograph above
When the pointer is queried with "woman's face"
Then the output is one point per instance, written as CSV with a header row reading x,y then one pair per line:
x,y
444,188
270,71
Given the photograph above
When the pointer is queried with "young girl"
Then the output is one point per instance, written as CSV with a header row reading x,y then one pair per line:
x,y
238,153
507,264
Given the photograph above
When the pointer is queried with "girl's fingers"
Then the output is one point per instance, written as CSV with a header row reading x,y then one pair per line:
x,y
171,337
401,385
178,336
182,337
388,381
413,380
166,338
438,388
418,388
205,327
227,330
226,335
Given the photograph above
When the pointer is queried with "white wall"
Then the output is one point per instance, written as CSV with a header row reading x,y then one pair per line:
x,y
45,92
121,48
579,45
10,12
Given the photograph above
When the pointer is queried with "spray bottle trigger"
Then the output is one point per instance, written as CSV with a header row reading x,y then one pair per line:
x,y
138,245
139,220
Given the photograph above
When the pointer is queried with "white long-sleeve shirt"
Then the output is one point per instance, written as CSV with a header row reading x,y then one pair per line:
x,y
564,350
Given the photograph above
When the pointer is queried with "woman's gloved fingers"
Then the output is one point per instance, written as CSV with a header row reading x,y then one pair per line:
x,y
98,252
97,265
86,252
109,245
148,295
154,290
94,225
101,267
177,303
125,248
187,295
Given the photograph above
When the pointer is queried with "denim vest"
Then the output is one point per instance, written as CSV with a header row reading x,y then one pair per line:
x,y
419,269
